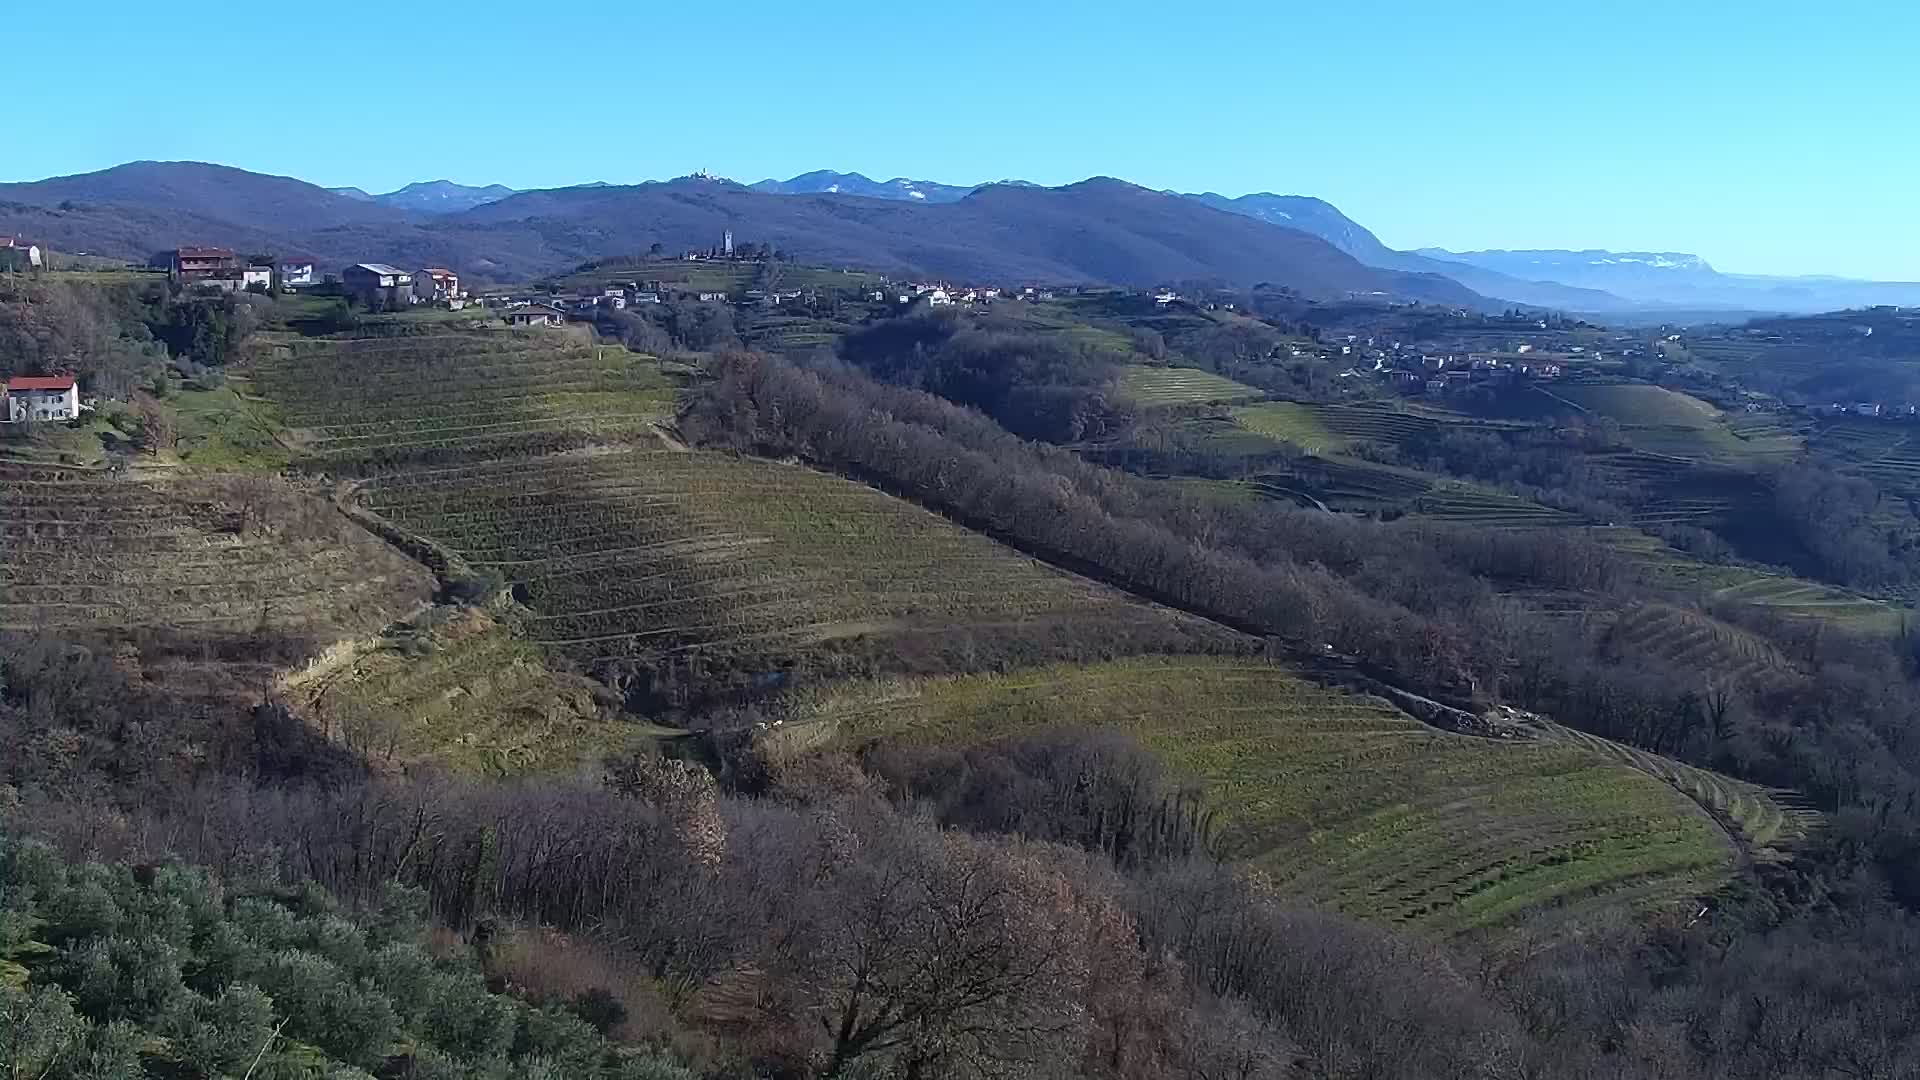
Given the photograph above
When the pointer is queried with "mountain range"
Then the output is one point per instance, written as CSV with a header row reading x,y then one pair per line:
x,y
1596,282
432,196
1097,231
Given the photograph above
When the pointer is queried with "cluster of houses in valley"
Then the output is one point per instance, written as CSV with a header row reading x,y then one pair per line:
x,y
936,294
1873,410
1413,369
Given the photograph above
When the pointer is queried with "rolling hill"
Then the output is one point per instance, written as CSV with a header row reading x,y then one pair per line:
x,y
1301,212
1099,230
279,204
1096,231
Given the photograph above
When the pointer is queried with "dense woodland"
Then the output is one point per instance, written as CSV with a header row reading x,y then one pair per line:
x,y
1035,906
201,885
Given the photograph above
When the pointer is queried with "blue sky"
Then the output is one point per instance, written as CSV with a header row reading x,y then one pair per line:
x,y
1768,137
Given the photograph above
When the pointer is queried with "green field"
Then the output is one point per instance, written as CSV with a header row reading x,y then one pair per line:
x,y
1154,386
652,554
84,550
220,430
1807,599
1661,421
1341,799
381,399
1292,422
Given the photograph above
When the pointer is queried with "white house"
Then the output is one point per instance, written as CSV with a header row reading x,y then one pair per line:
x,y
42,397
534,315
260,274
296,273
938,298
17,254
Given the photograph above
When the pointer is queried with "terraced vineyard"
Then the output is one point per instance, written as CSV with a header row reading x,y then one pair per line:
x,y
775,332
1692,639
1325,428
1885,454
1341,799
1807,599
1489,509
1768,822
91,551
1775,433
1681,492
1151,386
463,693
1347,484
1375,425
1292,422
651,554
395,399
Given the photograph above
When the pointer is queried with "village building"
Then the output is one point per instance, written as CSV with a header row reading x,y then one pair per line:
x,y
41,397
205,266
377,282
260,273
295,274
534,315
17,254
436,285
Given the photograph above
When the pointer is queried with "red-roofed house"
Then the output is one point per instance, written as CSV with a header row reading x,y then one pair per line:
x,y
17,254
436,285
206,266
41,397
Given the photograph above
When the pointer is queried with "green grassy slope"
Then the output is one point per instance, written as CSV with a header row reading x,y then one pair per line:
x,y
1152,386
1662,421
